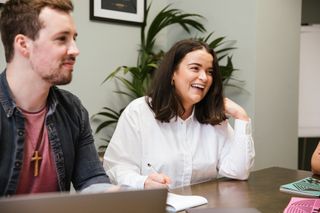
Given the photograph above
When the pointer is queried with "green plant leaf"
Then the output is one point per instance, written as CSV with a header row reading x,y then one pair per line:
x,y
108,115
113,74
224,50
125,93
216,43
167,17
105,124
111,110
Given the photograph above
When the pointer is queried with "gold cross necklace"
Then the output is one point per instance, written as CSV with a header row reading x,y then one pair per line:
x,y
36,157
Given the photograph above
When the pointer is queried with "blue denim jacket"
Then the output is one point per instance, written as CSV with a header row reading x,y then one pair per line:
x,y
70,138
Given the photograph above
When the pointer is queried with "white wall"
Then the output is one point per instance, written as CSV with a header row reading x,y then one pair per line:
x,y
267,40
309,105
276,91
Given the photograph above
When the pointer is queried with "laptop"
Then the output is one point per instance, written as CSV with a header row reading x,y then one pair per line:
x,y
135,201
223,210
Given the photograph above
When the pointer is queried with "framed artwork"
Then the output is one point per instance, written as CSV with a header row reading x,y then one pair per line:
x,y
123,11
2,2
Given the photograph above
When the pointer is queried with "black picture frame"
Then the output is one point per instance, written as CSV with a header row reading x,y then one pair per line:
x,y
120,11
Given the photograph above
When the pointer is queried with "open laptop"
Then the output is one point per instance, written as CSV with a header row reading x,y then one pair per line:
x,y
137,201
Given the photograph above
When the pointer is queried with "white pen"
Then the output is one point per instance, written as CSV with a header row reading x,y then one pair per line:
x,y
153,169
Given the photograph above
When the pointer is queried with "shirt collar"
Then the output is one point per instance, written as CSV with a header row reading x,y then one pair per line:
x,y
6,99
190,119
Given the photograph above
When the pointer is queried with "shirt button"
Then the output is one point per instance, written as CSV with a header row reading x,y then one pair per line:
x,y
20,133
17,164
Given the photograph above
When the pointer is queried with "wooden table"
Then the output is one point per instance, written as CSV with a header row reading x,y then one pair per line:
x,y
261,191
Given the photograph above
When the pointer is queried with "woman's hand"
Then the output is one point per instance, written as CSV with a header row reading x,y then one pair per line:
x,y
156,180
234,110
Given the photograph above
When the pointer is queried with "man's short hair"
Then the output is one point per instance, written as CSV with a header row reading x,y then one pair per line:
x,y
22,17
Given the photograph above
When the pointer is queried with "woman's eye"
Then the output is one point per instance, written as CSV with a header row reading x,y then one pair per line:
x,y
210,72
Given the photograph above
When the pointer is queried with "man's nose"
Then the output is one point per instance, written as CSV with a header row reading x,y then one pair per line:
x,y
73,49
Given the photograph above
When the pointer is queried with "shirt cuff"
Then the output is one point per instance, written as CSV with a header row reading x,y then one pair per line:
x,y
242,127
140,182
98,188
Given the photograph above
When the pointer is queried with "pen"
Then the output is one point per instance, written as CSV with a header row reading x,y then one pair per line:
x,y
153,169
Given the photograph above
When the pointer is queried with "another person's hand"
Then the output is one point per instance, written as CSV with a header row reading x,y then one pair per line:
x,y
315,161
234,110
101,187
156,180
114,188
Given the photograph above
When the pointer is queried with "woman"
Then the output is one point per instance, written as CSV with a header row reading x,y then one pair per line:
x,y
179,134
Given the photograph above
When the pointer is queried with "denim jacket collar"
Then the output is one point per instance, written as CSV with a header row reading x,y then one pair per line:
x,y
8,103
6,99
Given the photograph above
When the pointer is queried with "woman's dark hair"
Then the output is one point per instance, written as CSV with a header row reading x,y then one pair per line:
x,y
166,104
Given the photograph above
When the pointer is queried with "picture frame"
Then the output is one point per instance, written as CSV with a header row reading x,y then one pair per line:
x,y
121,11
2,2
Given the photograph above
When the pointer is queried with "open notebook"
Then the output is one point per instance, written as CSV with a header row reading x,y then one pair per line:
x,y
177,202
113,202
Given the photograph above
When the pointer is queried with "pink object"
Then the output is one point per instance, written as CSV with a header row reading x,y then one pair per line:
x,y
303,205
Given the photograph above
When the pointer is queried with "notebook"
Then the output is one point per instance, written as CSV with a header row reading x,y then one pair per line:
x,y
308,186
176,203
113,202
299,204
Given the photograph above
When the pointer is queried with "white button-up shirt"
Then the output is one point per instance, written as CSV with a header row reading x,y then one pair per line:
x,y
185,150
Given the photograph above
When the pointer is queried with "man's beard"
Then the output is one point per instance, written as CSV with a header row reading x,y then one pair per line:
x,y
59,78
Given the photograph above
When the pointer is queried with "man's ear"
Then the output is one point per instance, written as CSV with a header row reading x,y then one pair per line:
x,y
22,45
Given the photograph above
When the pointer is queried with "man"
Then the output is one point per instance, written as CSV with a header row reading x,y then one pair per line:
x,y
45,137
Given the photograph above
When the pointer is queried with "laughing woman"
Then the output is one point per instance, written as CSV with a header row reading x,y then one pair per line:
x,y
179,134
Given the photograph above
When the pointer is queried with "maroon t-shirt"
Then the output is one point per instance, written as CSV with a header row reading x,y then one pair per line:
x,y
36,139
